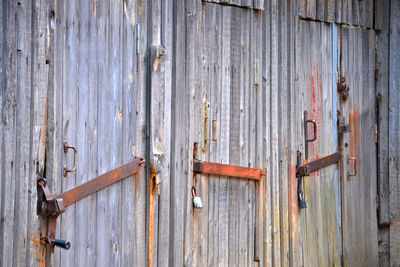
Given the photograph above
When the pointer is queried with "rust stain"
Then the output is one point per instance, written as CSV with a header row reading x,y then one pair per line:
x,y
133,12
153,192
141,6
94,7
354,138
37,249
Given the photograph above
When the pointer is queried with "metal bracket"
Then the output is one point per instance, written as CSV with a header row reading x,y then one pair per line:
x,y
355,167
306,122
306,169
66,148
52,207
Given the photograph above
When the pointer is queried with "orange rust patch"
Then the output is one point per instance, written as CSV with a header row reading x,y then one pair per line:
x,y
153,192
354,137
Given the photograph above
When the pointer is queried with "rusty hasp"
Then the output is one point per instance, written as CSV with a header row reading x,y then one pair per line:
x,y
204,167
306,169
53,206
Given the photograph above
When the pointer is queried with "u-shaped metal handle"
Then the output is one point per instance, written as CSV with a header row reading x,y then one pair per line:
x,y
66,148
315,130
355,167
306,122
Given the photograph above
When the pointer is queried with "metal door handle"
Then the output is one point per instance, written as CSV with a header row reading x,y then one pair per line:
x,y
355,166
66,148
315,130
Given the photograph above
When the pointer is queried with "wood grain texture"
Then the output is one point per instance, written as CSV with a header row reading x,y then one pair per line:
x,y
394,136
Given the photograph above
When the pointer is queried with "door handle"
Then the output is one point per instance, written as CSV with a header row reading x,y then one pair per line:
x,y
66,148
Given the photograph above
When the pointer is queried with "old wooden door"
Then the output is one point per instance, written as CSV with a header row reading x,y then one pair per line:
x,y
226,228
359,169
316,62
96,103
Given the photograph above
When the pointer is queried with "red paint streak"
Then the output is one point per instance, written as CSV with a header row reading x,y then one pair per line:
x,y
315,112
355,130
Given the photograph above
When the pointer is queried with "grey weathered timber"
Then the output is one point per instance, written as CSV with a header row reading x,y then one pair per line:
x,y
394,103
125,79
354,13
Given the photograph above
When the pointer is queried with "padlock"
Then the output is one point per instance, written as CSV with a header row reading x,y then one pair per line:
x,y
198,204
302,201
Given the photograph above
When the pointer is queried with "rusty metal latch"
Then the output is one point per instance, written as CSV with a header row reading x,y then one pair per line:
x,y
307,169
205,167
53,206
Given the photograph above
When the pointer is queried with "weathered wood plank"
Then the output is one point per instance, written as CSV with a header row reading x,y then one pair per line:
x,y
23,112
68,220
223,197
178,140
234,131
382,21
284,138
213,48
275,170
83,221
8,132
243,82
105,126
266,88
38,129
394,136
129,79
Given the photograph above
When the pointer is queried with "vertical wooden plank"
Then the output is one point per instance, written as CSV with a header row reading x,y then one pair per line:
x,y
179,139
266,86
223,198
142,182
295,139
331,11
234,132
244,139
23,114
57,154
104,126
321,10
382,18
83,221
129,108
165,135
38,128
394,136
115,116
251,141
8,132
214,83
91,144
275,170
70,97
311,9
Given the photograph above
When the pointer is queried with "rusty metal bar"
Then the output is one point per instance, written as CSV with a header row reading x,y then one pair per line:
x,y
101,182
306,169
205,167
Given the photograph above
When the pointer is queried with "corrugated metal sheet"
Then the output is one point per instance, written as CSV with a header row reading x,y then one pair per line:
x,y
234,80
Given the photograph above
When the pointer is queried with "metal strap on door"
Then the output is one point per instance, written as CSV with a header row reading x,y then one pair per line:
x,y
53,206
309,167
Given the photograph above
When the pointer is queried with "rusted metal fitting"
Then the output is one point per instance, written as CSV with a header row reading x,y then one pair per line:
x,y
66,148
343,89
